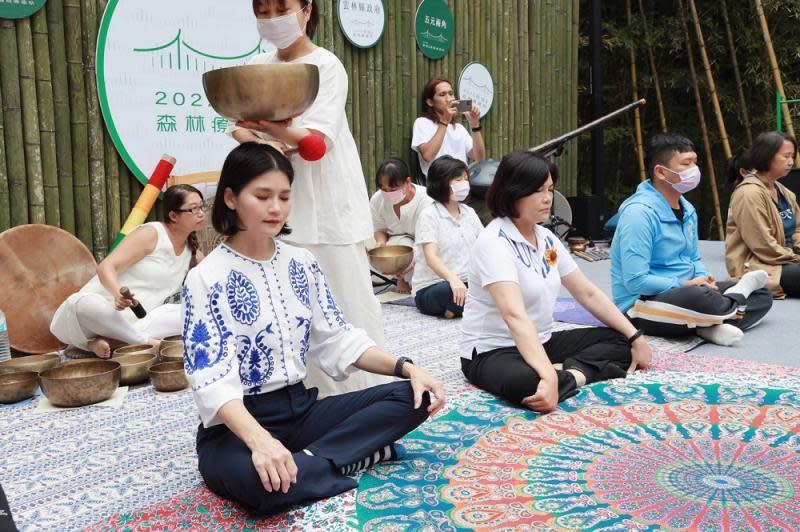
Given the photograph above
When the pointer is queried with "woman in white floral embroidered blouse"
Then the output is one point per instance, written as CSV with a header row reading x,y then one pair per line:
x,y
256,312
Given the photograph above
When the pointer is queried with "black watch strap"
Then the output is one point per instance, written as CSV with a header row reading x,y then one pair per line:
x,y
634,336
398,367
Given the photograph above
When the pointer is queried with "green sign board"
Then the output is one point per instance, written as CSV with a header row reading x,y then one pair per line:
x,y
20,8
434,28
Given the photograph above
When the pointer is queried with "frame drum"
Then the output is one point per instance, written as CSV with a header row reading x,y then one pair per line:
x,y
40,266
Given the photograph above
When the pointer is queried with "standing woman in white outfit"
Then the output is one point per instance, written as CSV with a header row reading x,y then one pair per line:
x,y
151,262
437,133
331,214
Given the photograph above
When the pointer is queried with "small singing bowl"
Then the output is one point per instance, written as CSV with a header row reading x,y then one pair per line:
x,y
172,354
17,386
171,341
81,384
137,349
168,376
391,259
262,92
135,368
37,363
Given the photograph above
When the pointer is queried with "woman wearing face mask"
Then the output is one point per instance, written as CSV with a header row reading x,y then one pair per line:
x,y
445,233
762,232
437,132
396,207
331,215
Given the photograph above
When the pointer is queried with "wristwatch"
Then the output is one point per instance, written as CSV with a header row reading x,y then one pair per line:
x,y
398,367
634,336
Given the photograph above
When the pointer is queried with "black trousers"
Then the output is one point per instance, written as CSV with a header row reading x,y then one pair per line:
x,y
790,279
338,431
709,302
599,353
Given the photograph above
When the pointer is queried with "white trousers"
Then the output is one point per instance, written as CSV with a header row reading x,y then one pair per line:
x,y
346,270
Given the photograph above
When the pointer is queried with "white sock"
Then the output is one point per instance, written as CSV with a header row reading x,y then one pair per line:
x,y
749,283
723,334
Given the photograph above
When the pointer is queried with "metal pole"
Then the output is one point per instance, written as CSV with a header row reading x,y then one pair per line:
x,y
596,50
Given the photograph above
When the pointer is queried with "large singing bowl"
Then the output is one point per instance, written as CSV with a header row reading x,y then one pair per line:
x,y
36,363
391,259
262,92
40,266
80,384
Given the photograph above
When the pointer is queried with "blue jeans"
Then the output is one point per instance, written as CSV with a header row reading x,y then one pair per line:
x,y
435,299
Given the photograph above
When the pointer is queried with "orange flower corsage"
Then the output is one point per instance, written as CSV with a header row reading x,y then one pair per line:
x,y
551,256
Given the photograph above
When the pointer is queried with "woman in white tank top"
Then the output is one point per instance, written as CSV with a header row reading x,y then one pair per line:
x,y
152,263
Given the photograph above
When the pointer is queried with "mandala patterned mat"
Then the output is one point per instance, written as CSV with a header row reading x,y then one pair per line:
x,y
135,468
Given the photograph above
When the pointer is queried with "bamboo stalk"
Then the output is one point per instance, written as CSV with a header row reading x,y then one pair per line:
x,y
701,116
124,190
114,217
5,200
737,73
97,174
79,123
662,116
637,120
776,71
63,137
30,122
12,117
47,126
712,87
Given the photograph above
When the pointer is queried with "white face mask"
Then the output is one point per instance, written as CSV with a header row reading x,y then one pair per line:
x,y
281,31
459,190
395,196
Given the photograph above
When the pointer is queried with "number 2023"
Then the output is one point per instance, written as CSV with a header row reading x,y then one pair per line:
x,y
179,99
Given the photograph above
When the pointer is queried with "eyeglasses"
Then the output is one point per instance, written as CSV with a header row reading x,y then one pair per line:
x,y
195,210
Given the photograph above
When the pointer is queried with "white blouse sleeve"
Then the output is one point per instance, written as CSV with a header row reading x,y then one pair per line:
x,y
424,129
327,113
209,347
334,344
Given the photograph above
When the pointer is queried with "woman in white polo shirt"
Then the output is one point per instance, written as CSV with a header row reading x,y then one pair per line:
x,y
446,231
516,271
437,132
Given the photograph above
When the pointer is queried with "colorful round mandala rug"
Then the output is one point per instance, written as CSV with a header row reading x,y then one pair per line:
x,y
617,457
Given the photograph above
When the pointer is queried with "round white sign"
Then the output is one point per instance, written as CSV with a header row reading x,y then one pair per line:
x,y
476,84
362,21
151,56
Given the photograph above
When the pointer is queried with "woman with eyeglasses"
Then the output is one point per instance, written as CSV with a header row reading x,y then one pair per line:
x,y
151,262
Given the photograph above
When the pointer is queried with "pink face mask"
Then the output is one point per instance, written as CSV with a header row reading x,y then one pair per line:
x,y
394,197
690,178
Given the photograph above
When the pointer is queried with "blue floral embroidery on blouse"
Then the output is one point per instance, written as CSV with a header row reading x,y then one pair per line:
x,y
199,340
299,281
306,324
256,363
242,298
205,339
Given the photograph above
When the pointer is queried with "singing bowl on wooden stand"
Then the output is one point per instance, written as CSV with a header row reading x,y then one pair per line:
x,y
391,259
81,384
15,387
262,92
172,353
135,368
36,363
168,377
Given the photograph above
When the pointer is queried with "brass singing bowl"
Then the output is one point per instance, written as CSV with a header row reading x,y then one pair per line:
x,y
391,259
15,387
80,384
168,377
37,363
171,341
262,92
172,353
135,368
136,349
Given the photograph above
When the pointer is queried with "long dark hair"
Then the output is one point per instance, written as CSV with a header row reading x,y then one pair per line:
x,y
313,21
243,164
428,92
173,200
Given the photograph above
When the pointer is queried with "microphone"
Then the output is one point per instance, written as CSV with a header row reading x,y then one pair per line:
x,y
137,307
